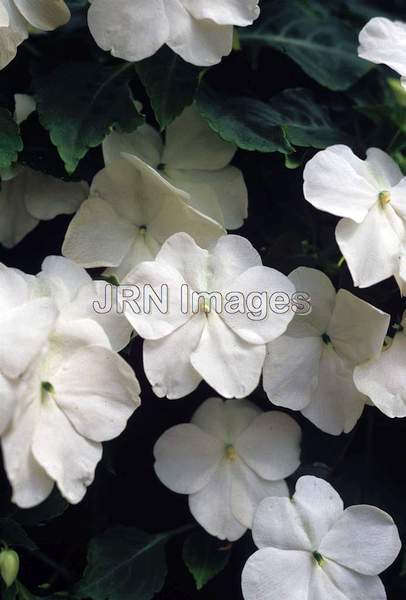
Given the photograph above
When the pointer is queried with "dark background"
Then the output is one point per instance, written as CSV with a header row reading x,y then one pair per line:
x,y
366,466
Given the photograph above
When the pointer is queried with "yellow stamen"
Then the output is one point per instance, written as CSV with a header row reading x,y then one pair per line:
x,y
384,198
231,453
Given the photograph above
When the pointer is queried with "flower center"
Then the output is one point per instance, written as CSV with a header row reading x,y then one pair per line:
x,y
230,452
384,198
318,558
142,229
46,388
326,339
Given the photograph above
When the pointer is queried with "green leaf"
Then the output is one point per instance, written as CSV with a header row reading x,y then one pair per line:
x,y
322,45
14,535
170,83
79,103
249,123
306,123
204,557
124,564
10,140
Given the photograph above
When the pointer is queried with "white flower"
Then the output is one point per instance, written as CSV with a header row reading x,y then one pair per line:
x,y
131,211
383,41
193,159
200,32
64,388
220,341
311,367
383,378
229,458
28,197
369,194
17,17
311,548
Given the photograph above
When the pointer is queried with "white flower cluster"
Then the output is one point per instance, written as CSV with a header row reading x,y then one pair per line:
x,y
157,215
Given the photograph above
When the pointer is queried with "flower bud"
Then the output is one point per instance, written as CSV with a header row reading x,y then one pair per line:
x,y
9,566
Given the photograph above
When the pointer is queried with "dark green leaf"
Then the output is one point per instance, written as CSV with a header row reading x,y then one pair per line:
x,y
305,122
204,557
124,564
14,535
78,116
246,122
10,140
170,82
323,46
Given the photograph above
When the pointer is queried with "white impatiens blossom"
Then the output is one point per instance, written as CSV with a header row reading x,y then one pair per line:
x,y
383,41
311,367
201,32
18,17
220,337
227,459
131,211
383,379
369,194
310,548
28,197
193,159
64,388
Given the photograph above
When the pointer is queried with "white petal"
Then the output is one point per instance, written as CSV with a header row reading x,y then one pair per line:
x,y
371,249
211,506
24,332
30,483
12,34
180,252
225,420
4,16
226,362
44,14
322,299
143,248
231,257
8,397
65,276
186,458
89,303
336,405
201,43
385,170
338,182
46,197
97,236
15,288
15,221
273,574
229,12
357,329
24,106
278,524
192,144
145,142
291,370
383,41
98,392
271,445
365,539
383,379
67,457
167,361
347,582
155,278
261,322
130,31
248,490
